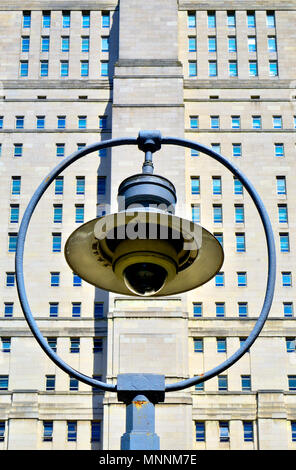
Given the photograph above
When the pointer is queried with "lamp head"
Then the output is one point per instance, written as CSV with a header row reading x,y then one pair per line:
x,y
144,249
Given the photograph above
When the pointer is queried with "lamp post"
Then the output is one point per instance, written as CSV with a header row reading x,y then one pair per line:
x,y
176,256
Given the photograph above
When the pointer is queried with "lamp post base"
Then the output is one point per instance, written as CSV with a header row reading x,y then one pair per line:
x,y
140,392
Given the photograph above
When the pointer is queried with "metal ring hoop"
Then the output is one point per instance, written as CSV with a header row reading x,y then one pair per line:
x,y
134,141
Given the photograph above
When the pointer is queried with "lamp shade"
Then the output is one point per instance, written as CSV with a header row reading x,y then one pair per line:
x,y
144,253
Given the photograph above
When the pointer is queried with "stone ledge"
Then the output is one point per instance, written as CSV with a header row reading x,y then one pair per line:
x,y
57,5
238,83
55,84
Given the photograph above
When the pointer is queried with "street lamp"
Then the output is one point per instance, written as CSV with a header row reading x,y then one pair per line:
x,y
144,250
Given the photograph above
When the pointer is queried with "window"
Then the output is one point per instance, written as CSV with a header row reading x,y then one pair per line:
x,y
191,19
271,40
8,309
211,19
253,68
293,429
73,384
66,19
50,382
240,242
216,185
57,213
25,43
101,185
61,122
82,122
194,153
220,309
284,243
222,383
24,68
197,309
6,343
256,122
74,345
288,309
215,122
12,239
53,309
98,309
233,68
199,387
246,383
105,44
3,382
286,279
104,68
77,281
200,433
103,122
71,431
79,213
45,44
239,214
85,44
10,279
241,342
221,345
76,309
235,122
219,237
64,68
292,383
273,68
98,345
95,431
279,150
241,279
212,44
40,122
2,431
80,185
270,19
290,344
60,150
193,122
14,213
212,68
192,44
195,213
195,186
251,19
248,431
80,146
52,343
224,431
56,242
46,19
242,309
219,280
217,214
85,19
105,19
65,45
15,185
18,150
19,122
231,44
55,279
252,44
192,69
47,430
282,213
198,345
231,19
26,19
277,122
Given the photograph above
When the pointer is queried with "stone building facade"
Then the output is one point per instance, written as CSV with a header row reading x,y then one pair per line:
x,y
221,73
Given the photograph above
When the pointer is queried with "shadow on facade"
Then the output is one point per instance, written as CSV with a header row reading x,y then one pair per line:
x,y
103,203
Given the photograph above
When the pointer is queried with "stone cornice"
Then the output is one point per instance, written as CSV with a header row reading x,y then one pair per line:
x,y
55,84
237,5
58,5
240,83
